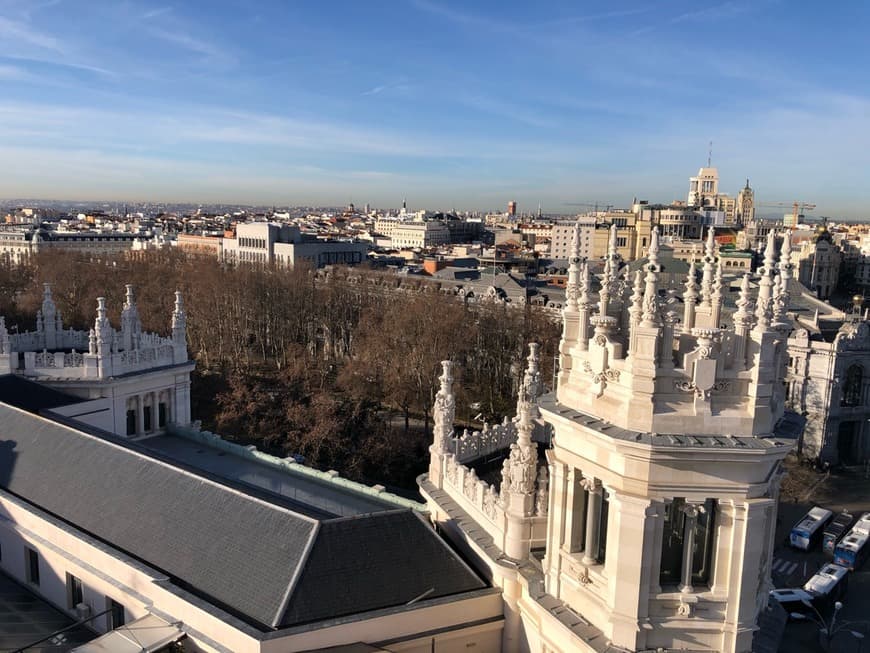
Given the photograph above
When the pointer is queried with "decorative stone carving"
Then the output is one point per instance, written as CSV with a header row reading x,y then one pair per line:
x,y
444,411
542,496
685,609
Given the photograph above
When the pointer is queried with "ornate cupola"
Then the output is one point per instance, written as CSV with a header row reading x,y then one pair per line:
x,y
665,461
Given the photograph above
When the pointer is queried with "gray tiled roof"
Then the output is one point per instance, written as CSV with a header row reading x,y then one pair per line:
x,y
391,559
243,553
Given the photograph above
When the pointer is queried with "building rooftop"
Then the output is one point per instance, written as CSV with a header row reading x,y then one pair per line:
x,y
258,555
31,396
327,497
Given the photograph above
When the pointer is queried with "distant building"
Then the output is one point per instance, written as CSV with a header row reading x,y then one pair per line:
x,y
745,205
130,383
512,209
17,243
284,245
704,188
818,263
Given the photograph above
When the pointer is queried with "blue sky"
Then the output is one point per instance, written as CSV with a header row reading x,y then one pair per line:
x,y
465,104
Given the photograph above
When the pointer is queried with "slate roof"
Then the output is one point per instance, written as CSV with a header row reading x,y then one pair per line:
x,y
382,554
31,396
243,553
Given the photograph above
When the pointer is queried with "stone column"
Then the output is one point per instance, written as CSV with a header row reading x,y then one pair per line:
x,y
691,511
557,524
140,414
593,521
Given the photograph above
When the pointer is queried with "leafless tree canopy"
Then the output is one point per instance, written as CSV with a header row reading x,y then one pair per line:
x,y
340,368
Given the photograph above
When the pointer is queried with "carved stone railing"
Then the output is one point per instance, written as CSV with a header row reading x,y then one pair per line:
x,y
472,445
476,496
476,444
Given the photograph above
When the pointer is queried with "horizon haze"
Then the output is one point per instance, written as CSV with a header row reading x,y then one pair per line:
x,y
445,103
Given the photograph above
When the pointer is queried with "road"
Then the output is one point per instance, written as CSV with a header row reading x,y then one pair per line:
x,y
792,568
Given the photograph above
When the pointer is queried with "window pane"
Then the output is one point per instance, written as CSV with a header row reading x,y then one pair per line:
x,y
702,556
33,566
672,542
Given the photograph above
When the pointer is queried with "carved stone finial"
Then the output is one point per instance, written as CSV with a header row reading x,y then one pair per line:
x,y
651,291
444,410
573,287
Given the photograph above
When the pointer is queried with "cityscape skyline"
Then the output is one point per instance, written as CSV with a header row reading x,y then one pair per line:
x,y
446,104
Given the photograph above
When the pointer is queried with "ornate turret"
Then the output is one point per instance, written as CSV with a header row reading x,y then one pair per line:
x,y
50,319
102,329
572,288
523,465
709,270
443,414
764,305
716,299
690,297
783,294
650,316
179,326
131,326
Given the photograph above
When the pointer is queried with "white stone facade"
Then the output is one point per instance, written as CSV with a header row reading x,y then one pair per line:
x,y
135,382
660,491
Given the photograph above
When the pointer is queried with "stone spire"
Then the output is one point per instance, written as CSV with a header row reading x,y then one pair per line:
x,y
4,337
584,299
716,299
743,314
102,328
782,296
651,292
51,325
690,297
524,454
444,411
636,299
572,289
764,306
709,261
179,324
131,326
611,263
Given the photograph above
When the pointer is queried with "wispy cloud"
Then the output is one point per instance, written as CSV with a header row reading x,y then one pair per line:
x,y
15,31
191,43
715,12
462,18
13,73
156,12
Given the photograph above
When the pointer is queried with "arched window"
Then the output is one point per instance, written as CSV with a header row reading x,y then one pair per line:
x,y
852,387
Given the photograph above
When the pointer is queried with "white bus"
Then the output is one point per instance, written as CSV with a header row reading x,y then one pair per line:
x,y
808,531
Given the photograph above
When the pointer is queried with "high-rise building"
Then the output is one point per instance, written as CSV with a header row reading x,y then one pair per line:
x,y
512,208
704,188
745,205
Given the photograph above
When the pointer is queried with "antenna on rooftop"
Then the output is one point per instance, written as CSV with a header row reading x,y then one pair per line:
x,y
710,155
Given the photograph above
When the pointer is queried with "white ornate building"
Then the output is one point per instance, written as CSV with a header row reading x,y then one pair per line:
x,y
135,382
648,523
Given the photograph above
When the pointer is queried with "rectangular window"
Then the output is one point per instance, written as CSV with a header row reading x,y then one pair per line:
x,y
146,415
131,422
74,591
32,561
161,414
674,542
115,617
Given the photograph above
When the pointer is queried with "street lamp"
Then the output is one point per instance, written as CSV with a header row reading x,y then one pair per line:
x,y
827,631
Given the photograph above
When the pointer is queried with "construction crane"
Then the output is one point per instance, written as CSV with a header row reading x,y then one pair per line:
x,y
798,208
593,205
